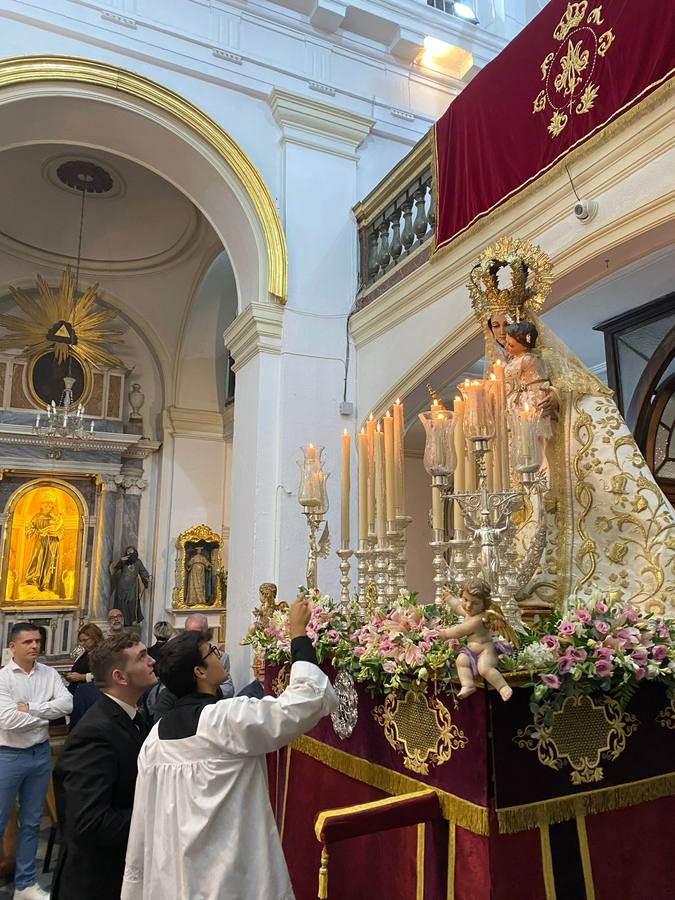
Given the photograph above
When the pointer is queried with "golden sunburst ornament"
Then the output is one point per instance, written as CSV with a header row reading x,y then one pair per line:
x,y
60,322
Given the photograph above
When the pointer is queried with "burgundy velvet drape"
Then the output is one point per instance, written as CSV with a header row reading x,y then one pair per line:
x,y
494,139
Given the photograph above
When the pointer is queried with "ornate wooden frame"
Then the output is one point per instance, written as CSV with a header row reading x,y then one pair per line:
x,y
194,535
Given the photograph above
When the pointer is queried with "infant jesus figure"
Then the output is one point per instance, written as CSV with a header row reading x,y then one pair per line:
x,y
481,620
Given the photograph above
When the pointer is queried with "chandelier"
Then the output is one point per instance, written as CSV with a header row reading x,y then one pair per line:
x,y
63,421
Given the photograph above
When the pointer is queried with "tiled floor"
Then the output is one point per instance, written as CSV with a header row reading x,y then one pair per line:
x,y
45,880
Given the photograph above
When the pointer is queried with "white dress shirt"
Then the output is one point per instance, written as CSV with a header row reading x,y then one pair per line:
x,y
128,709
46,695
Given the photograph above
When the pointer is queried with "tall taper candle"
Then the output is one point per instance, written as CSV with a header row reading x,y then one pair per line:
x,y
399,438
345,484
380,511
502,425
363,485
370,431
460,471
389,480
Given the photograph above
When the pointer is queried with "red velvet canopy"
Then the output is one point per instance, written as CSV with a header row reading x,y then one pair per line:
x,y
572,71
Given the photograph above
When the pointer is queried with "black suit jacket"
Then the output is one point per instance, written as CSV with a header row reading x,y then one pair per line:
x,y
94,784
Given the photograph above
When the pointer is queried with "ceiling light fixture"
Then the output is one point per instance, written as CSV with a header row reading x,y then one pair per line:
x,y
464,11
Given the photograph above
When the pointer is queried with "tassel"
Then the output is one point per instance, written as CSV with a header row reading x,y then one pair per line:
x,y
323,876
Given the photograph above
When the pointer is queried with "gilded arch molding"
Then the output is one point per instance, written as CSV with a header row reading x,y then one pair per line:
x,y
24,69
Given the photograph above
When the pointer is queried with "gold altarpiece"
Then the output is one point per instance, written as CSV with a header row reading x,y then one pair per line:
x,y
43,546
199,570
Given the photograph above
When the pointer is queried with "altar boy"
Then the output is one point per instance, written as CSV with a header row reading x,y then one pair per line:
x,y
202,812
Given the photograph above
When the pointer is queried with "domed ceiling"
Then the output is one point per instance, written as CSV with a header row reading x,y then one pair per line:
x,y
141,221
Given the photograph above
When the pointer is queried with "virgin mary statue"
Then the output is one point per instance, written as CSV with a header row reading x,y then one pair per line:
x,y
610,527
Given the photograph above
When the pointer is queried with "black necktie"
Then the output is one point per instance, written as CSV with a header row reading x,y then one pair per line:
x,y
139,723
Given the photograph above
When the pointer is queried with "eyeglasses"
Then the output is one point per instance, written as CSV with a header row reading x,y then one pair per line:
x,y
212,649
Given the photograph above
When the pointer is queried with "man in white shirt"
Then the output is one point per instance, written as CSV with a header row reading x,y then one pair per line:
x,y
202,824
30,695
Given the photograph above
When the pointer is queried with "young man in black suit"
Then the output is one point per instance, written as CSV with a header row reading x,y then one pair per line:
x,y
95,776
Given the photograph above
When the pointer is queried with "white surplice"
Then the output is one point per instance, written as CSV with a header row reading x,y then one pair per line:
x,y
202,826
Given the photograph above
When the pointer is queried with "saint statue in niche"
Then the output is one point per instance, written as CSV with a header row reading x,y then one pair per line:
x,y
46,529
130,579
199,586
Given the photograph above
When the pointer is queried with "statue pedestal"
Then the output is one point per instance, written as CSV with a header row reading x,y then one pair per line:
x,y
216,616
506,826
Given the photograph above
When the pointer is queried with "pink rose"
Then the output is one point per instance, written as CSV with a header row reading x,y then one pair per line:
x,y
389,666
601,626
603,652
551,681
565,664
551,641
578,655
601,607
603,668
659,652
632,615
582,615
333,636
566,628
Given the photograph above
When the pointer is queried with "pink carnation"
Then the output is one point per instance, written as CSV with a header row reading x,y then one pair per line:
x,y
582,615
551,681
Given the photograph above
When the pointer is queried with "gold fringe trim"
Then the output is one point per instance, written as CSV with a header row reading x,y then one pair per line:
x,y
323,876
466,814
561,809
602,132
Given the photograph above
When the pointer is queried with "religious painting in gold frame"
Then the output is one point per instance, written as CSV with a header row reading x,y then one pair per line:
x,y
199,570
42,545
44,379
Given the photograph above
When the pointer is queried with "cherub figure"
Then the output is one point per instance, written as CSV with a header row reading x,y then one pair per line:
x,y
267,603
481,620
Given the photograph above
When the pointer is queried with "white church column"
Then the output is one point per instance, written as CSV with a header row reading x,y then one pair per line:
x,y
254,340
319,145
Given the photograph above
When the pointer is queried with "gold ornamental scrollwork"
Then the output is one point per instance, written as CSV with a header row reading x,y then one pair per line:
x,y
666,718
281,680
187,541
568,71
420,728
579,734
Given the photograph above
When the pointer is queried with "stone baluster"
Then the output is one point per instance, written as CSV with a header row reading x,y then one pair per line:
x,y
384,255
373,262
407,235
396,245
431,216
421,222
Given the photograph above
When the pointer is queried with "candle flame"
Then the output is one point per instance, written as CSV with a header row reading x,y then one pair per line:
x,y
311,446
526,406
498,362
440,417
398,401
458,399
346,433
363,431
388,414
371,417
493,377
378,429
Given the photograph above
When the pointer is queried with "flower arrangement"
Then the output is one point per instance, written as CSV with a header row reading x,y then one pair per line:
x,y
596,646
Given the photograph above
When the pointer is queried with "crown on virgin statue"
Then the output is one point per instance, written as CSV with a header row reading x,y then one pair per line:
x,y
512,277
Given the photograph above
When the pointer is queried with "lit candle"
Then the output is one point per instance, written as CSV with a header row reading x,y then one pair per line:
x,y
399,438
37,420
363,485
380,508
437,518
370,431
498,369
496,459
460,471
311,453
390,488
345,485
91,427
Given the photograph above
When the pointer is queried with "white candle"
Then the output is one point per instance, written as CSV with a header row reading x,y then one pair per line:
x,y
390,488
496,459
91,427
460,471
370,431
399,438
363,484
380,511
502,425
345,485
